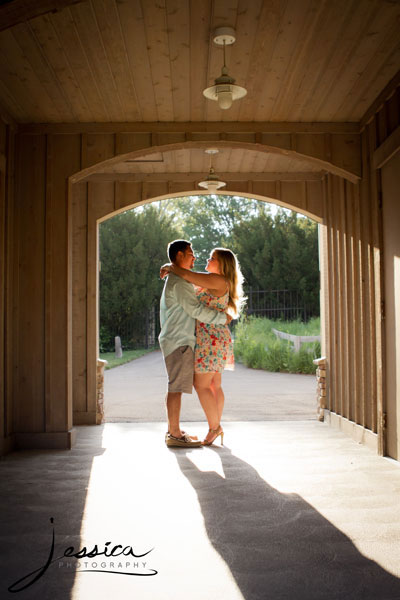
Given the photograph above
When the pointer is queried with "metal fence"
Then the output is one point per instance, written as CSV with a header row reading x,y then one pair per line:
x,y
143,330
278,304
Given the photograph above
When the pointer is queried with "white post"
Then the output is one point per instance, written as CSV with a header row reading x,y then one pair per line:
x,y
118,347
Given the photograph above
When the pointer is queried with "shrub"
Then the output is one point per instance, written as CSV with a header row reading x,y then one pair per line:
x,y
258,348
106,341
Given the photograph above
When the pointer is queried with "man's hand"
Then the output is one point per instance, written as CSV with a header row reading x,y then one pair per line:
x,y
228,319
164,270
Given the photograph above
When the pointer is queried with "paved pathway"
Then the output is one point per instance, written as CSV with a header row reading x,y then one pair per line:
x,y
135,392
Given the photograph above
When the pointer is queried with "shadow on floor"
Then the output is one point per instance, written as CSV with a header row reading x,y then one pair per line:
x,y
37,485
277,545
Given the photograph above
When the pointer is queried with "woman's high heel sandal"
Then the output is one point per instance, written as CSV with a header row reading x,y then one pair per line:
x,y
216,432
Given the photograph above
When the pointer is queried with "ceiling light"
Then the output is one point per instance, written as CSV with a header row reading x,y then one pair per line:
x,y
224,91
212,183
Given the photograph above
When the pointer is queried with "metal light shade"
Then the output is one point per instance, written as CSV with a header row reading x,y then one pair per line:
x,y
224,91
212,183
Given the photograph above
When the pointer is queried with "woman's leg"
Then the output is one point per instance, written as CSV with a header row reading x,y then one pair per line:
x,y
218,394
202,384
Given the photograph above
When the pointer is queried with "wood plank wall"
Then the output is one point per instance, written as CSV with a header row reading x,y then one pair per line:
x,y
52,298
354,289
7,138
51,349
350,305
3,212
377,133
41,385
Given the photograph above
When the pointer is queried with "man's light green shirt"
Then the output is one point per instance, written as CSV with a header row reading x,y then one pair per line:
x,y
179,307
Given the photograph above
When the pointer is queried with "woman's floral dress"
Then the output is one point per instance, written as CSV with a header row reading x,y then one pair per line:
x,y
214,347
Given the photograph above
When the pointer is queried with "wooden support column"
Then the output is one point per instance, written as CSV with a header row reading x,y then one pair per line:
x,y
9,297
63,158
100,202
378,353
29,322
3,250
78,193
351,299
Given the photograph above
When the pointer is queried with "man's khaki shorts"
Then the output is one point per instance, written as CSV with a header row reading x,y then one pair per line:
x,y
179,365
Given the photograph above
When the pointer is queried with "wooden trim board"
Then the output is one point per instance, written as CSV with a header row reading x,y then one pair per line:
x,y
357,432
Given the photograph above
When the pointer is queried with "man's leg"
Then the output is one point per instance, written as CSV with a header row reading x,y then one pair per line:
x,y
173,406
179,365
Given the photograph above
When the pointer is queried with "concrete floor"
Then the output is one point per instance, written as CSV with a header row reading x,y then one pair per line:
x,y
136,391
285,510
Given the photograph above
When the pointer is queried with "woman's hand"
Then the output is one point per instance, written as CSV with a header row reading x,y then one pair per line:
x,y
165,269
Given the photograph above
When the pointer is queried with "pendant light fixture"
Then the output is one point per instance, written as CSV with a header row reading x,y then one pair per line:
x,y
212,183
224,91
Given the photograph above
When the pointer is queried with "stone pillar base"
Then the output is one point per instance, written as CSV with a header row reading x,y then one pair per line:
x,y
321,387
100,390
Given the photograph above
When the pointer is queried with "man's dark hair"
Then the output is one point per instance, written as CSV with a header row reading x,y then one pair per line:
x,y
175,247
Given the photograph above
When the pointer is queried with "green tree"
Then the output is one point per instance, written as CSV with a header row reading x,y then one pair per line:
x,y
208,221
132,248
280,252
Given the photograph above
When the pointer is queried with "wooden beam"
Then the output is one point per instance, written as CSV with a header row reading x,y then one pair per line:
x,y
189,127
385,94
190,177
19,11
7,118
385,151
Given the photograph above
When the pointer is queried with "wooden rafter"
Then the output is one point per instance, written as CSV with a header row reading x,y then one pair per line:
x,y
190,177
18,11
190,127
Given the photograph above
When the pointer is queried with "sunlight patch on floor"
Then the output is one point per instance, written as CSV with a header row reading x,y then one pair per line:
x,y
139,497
207,461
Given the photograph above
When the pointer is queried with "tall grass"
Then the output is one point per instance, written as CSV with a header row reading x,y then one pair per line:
x,y
258,348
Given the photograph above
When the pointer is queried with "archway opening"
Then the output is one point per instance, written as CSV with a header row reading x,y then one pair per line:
x,y
99,192
136,391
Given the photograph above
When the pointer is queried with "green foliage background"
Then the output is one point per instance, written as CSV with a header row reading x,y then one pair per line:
x,y
132,249
276,250
280,252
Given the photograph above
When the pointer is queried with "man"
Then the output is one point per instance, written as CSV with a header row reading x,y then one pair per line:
x,y
179,308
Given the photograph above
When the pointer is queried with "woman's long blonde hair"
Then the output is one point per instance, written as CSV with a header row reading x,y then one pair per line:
x,y
230,269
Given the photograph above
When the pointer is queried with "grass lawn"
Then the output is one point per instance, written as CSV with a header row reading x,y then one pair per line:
x,y
128,355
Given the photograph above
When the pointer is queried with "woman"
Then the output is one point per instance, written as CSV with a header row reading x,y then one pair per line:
x,y
220,288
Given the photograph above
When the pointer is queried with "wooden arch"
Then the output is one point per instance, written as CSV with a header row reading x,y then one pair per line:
x,y
338,154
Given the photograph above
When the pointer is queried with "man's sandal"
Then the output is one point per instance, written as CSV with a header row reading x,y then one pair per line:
x,y
193,437
186,441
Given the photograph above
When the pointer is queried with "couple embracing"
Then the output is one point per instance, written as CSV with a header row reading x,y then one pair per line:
x,y
195,339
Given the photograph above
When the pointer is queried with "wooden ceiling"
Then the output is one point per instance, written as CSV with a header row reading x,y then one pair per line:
x,y
149,60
